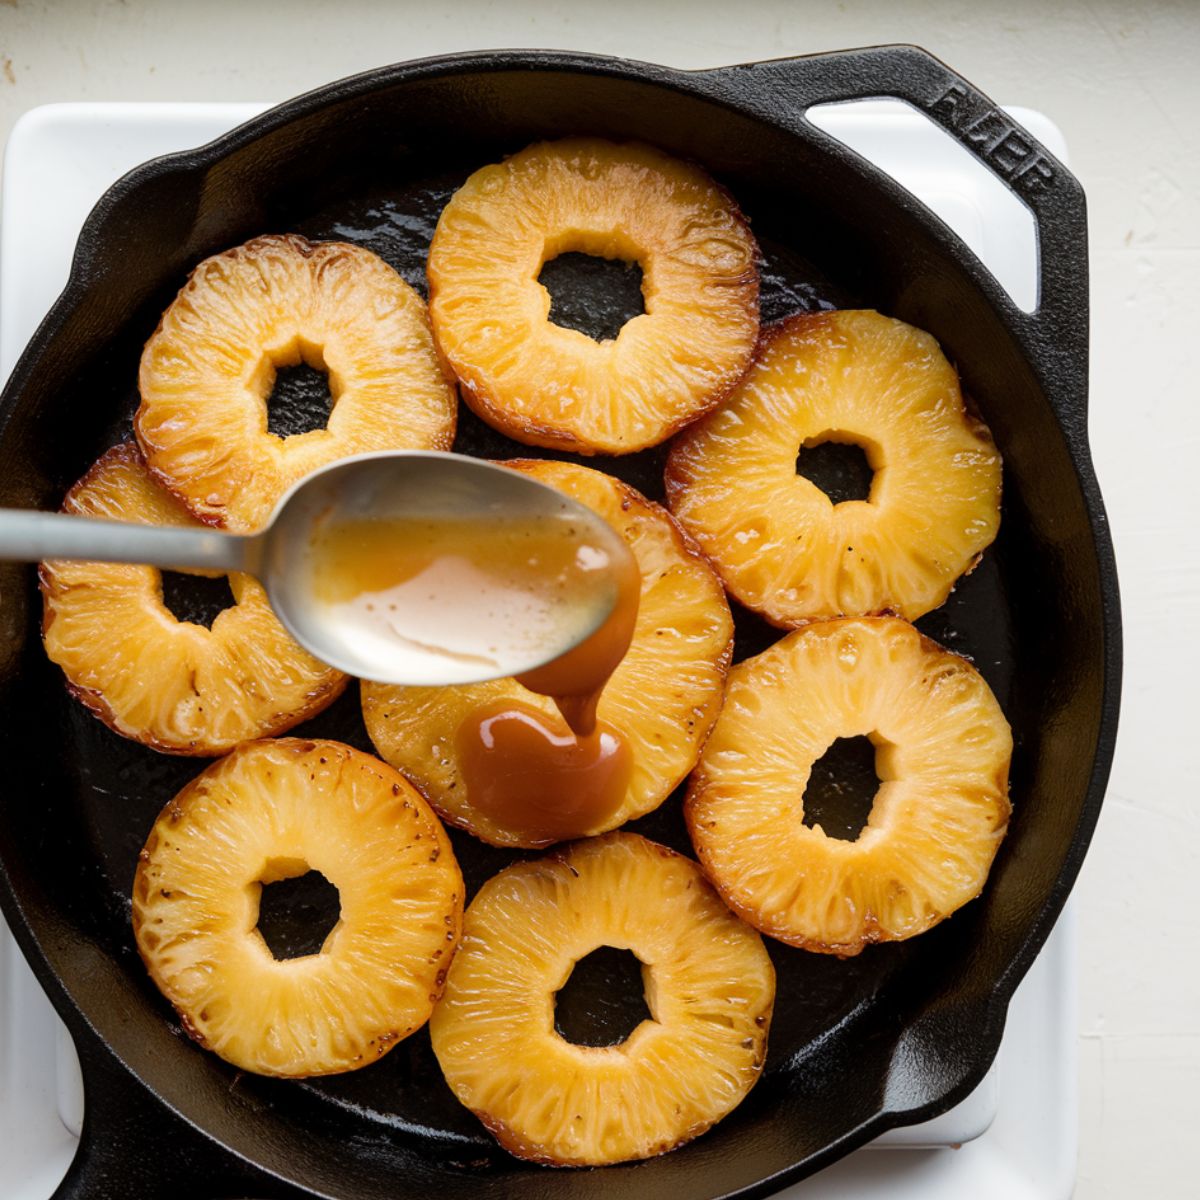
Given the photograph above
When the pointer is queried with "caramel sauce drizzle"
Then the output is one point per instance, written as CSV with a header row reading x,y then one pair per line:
x,y
530,775
423,583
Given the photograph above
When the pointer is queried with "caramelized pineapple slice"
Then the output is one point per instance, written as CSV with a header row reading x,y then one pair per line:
x,y
273,810
779,543
170,684
663,698
275,302
709,985
550,386
942,753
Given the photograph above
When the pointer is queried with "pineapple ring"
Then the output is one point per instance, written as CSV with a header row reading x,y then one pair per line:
x,y
663,698
549,386
782,547
272,810
274,302
170,684
942,753
709,984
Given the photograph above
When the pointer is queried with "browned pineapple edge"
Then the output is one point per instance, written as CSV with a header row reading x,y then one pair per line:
x,y
551,386
943,749
273,810
174,686
782,547
709,985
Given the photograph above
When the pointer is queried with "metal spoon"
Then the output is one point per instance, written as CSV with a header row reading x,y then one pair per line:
x,y
424,486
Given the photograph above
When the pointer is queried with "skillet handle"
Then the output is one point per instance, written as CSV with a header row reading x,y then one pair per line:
x,y
1057,331
132,1145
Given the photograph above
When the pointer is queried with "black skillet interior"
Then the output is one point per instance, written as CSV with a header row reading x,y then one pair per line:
x,y
897,1034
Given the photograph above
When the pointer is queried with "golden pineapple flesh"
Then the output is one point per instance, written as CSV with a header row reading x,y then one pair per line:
x,y
274,302
273,810
662,699
709,986
170,684
942,756
782,547
551,386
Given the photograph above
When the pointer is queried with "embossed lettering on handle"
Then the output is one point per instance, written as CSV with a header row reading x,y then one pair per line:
x,y
1002,143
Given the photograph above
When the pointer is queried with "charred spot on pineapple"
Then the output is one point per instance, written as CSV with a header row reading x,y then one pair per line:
x,y
550,1100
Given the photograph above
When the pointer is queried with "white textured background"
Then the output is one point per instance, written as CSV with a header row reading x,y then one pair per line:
x,y
1123,82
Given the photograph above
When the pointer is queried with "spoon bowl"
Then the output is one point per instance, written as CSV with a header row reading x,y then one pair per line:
x,y
484,606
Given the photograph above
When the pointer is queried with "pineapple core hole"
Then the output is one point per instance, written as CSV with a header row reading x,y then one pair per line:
x,y
593,295
196,598
300,400
841,469
603,1000
841,788
297,910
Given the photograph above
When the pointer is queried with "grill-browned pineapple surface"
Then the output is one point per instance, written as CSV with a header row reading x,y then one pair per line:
x,y
942,756
550,386
709,986
273,810
171,684
274,302
782,547
662,699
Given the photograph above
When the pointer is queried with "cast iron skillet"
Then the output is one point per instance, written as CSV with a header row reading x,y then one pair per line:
x,y
895,1036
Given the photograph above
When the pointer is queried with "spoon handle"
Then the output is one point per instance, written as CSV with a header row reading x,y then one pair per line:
x,y
28,536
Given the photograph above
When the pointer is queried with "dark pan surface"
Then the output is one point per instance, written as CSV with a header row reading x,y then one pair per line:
x,y
897,1034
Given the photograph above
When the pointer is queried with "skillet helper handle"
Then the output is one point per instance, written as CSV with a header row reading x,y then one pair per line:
x,y
1058,329
133,1145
